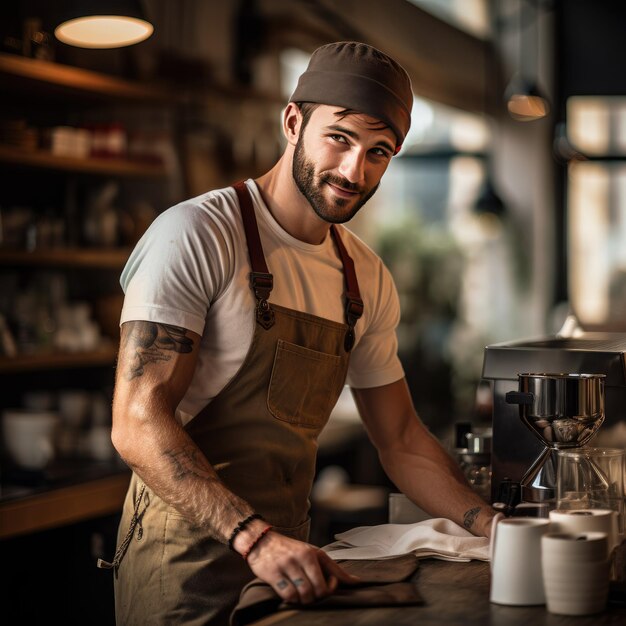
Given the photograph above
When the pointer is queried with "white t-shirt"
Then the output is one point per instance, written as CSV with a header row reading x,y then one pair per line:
x,y
191,269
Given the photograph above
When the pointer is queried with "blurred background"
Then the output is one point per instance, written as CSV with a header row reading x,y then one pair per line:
x,y
502,218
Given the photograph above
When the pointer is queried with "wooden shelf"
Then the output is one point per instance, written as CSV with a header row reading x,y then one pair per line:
x,y
103,167
93,258
65,505
58,360
65,80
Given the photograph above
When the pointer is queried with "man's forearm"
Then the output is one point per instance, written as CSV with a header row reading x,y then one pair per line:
x,y
436,484
166,459
188,483
155,365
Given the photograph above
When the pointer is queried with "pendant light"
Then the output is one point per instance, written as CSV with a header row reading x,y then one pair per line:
x,y
524,100
488,203
103,24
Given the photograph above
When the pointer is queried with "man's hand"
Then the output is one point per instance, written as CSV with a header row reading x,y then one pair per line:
x,y
297,571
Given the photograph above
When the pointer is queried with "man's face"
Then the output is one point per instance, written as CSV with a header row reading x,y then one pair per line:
x,y
338,162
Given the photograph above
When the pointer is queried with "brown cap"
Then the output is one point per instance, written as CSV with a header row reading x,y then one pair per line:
x,y
357,76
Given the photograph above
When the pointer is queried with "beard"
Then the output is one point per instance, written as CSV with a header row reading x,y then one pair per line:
x,y
335,211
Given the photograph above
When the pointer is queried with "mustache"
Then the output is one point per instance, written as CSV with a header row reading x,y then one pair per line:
x,y
340,182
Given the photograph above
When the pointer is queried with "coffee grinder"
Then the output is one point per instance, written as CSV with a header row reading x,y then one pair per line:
x,y
563,410
524,451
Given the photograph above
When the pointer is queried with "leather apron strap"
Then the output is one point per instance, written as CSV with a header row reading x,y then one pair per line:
x,y
262,282
354,303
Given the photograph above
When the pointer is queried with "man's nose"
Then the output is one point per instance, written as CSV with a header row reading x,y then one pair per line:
x,y
352,166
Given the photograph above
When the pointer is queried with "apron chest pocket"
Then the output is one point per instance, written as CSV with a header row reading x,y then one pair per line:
x,y
305,385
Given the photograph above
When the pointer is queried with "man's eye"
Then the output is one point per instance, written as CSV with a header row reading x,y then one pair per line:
x,y
380,152
338,138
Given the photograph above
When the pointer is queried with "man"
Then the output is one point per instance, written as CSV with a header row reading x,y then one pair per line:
x,y
246,311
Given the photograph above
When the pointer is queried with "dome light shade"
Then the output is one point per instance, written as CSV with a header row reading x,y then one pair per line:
x,y
101,24
525,101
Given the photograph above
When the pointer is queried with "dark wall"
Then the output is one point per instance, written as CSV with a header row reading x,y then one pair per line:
x,y
592,47
51,576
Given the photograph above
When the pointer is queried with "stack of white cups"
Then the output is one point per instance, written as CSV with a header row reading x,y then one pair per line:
x,y
575,569
563,562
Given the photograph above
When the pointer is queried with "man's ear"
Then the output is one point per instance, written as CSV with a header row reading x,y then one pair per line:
x,y
292,122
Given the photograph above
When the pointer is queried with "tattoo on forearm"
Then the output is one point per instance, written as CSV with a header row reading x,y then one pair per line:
x,y
470,517
185,462
150,342
189,461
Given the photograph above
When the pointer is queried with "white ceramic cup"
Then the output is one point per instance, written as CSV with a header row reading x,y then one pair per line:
x,y
577,521
516,577
575,547
30,437
575,572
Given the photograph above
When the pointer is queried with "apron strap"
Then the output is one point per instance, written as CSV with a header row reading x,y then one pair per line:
x,y
261,280
354,303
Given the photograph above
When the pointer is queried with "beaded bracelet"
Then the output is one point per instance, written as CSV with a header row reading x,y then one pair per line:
x,y
240,527
254,544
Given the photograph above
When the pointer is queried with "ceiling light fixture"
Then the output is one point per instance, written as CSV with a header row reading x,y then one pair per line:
x,y
524,99
104,24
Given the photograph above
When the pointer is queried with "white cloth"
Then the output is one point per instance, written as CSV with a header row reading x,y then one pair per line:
x,y
191,269
437,538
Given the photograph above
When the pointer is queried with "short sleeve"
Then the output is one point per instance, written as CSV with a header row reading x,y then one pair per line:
x,y
177,269
374,361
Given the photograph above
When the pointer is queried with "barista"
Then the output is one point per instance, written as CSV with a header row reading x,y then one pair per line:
x,y
246,311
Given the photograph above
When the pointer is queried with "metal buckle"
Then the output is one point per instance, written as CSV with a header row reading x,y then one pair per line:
x,y
354,310
262,284
264,314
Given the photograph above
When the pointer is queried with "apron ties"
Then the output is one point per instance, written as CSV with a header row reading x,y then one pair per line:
x,y
260,435
135,522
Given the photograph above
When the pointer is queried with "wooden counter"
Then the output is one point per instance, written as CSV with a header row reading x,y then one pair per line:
x,y
63,505
454,594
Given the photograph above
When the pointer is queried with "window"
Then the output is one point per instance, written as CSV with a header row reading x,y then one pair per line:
x,y
596,205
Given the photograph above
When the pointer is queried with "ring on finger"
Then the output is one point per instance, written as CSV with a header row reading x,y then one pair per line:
x,y
297,581
282,583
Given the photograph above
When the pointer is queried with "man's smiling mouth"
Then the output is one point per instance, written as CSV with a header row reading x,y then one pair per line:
x,y
341,191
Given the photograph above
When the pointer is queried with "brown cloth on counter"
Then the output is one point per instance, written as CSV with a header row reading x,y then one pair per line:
x,y
382,584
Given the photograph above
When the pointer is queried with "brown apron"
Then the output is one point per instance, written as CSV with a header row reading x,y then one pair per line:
x,y
260,434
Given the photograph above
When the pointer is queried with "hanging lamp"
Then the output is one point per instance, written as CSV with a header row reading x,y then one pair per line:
x,y
524,99
488,201
103,24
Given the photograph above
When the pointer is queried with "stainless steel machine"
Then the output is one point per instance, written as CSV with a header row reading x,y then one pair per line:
x,y
514,447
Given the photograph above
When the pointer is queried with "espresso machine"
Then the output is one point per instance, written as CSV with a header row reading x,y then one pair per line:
x,y
524,444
